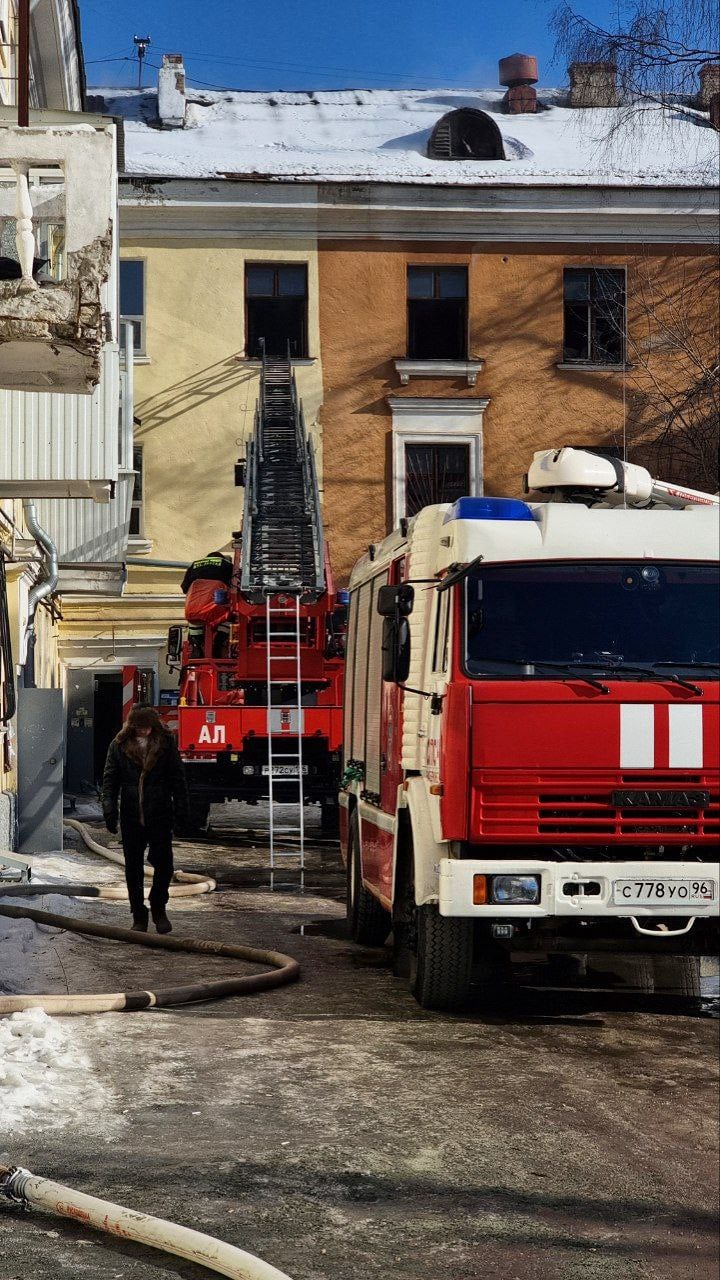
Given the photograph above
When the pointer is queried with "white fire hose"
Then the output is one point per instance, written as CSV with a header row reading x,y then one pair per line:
x,y
185,884
27,1189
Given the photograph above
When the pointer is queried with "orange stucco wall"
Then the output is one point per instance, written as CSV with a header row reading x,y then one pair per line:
x,y
515,325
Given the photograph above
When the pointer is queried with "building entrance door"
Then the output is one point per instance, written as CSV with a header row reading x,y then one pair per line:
x,y
107,716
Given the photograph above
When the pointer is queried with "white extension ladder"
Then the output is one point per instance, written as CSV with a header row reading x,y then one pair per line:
x,y
282,626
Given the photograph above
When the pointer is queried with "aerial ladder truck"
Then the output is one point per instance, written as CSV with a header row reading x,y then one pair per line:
x,y
260,718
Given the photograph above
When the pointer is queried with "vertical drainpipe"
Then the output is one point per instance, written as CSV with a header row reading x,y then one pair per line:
x,y
41,589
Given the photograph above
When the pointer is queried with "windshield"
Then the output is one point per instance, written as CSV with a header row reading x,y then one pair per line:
x,y
604,614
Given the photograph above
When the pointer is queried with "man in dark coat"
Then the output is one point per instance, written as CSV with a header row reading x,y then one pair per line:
x,y
144,787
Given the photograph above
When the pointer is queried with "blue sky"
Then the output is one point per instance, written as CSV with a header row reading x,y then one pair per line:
x,y
325,43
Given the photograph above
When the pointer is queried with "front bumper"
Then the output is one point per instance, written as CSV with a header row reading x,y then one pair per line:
x,y
456,888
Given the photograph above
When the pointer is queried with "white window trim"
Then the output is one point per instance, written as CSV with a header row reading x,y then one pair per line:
x,y
435,420
140,355
469,369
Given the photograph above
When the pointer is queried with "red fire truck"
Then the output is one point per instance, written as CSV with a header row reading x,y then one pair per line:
x,y
531,732
258,715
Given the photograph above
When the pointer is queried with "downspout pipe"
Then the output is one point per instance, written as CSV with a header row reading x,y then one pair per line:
x,y
43,588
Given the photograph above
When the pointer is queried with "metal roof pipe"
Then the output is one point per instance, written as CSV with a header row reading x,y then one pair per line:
x,y
43,588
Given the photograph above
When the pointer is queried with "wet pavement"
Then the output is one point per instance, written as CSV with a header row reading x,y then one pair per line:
x,y
339,1131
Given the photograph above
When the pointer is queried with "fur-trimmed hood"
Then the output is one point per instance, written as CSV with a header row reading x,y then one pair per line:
x,y
157,743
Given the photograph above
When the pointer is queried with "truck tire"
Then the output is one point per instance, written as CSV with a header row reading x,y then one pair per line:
x,y
443,971
677,976
368,921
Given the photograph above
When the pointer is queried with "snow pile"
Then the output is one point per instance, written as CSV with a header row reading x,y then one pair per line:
x,y
382,135
46,1080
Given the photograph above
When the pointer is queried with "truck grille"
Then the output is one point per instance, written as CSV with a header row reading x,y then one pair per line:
x,y
554,809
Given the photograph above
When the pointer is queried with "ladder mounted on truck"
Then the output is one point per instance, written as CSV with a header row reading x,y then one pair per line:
x,y
282,566
283,542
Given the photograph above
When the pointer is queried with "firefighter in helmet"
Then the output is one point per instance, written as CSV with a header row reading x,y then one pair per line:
x,y
206,600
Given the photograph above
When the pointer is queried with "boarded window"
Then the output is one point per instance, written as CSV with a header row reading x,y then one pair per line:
x,y
276,309
594,312
435,473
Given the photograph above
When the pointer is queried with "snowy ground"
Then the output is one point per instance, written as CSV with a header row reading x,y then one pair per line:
x,y
334,1128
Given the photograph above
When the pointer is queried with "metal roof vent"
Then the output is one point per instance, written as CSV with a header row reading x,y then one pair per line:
x,y
466,134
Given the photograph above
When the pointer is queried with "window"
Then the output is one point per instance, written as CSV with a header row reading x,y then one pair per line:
x,y
437,313
276,309
442,632
132,299
435,473
137,523
466,134
594,315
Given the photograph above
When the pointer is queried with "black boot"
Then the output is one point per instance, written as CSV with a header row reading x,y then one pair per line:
x,y
140,921
162,924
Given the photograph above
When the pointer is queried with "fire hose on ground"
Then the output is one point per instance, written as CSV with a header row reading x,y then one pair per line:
x,y
185,883
282,968
183,1242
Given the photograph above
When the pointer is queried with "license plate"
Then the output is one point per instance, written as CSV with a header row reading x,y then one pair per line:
x,y
664,893
283,770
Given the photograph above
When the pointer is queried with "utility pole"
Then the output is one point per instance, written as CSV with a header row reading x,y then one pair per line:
x,y
141,44
23,63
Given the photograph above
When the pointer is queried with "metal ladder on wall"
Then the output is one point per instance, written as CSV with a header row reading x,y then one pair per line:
x,y
282,627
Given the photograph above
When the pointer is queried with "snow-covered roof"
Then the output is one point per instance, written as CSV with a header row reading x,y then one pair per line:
x,y
371,135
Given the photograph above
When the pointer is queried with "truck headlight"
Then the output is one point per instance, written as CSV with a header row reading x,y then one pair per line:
x,y
511,890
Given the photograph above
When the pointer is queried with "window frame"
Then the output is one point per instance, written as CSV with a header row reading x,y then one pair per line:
x,y
276,267
593,360
436,268
138,504
437,446
126,317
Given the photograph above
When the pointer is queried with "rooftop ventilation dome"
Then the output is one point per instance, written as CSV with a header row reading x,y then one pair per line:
x,y
466,134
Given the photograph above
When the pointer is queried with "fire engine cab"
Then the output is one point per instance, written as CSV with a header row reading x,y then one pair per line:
x,y
531,733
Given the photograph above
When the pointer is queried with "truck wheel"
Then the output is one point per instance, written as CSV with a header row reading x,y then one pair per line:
x,y
444,960
677,976
368,920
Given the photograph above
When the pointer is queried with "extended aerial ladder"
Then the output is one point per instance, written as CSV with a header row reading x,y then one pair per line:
x,y
282,567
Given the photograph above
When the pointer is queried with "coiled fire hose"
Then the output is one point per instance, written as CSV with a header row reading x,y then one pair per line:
x,y
185,883
27,1189
283,968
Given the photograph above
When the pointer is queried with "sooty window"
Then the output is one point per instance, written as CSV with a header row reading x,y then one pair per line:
x,y
437,313
435,473
276,309
594,307
466,134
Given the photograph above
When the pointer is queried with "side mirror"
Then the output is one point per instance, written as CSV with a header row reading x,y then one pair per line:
x,y
396,650
174,644
396,601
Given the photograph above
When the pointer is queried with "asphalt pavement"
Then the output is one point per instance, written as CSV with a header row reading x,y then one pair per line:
x,y
335,1129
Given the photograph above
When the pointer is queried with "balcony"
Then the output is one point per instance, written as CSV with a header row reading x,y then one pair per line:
x,y
57,224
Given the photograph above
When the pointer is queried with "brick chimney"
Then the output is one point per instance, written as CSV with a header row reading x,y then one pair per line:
x,y
709,84
519,72
171,92
593,84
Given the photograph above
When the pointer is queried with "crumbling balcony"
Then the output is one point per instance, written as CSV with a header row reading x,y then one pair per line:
x,y
57,224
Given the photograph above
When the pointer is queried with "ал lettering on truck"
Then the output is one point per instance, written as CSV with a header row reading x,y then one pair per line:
x,y
531,730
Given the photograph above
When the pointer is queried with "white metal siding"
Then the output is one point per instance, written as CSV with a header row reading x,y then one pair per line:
x,y
89,532
48,437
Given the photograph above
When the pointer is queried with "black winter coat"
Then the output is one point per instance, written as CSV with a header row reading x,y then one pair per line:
x,y
152,791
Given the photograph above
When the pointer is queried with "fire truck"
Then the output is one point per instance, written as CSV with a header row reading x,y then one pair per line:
x,y
531,733
258,715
